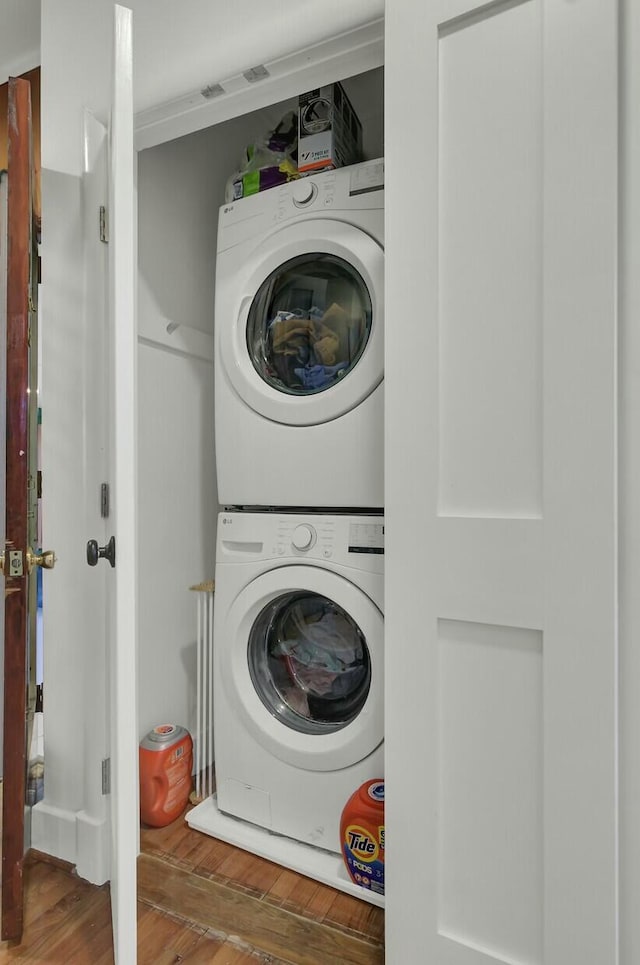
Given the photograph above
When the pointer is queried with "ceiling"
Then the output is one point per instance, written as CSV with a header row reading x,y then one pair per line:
x,y
220,39
19,37
216,39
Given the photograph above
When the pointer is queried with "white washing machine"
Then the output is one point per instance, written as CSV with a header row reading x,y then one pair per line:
x,y
299,343
298,669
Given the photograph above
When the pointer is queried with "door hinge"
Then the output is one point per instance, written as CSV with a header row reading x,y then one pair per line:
x,y
104,231
106,776
104,500
39,698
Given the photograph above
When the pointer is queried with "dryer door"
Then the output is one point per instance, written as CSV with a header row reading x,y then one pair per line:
x,y
301,657
300,335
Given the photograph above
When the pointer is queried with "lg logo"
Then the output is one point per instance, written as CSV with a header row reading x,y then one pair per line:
x,y
226,519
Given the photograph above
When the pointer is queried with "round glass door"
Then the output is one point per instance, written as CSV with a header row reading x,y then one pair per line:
x,y
309,662
309,323
300,323
303,666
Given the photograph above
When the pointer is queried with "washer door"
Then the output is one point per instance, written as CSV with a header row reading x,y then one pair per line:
x,y
301,658
302,340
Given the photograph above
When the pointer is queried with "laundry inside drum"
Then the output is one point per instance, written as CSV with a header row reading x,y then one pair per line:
x,y
309,662
309,324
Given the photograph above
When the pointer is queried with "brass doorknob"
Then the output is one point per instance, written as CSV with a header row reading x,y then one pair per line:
x,y
46,559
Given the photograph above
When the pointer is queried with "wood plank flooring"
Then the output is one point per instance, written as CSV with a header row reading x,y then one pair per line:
x,y
199,900
68,922
276,910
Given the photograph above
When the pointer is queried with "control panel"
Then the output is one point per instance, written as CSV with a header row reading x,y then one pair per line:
x,y
309,538
350,540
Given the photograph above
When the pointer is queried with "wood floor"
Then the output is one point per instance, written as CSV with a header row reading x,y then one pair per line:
x,y
199,900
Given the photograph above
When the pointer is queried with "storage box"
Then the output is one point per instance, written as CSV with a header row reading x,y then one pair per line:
x,y
329,132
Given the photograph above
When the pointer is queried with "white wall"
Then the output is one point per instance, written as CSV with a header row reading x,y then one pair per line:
x,y
73,594
19,37
180,188
176,525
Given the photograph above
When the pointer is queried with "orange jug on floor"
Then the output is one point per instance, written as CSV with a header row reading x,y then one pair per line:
x,y
166,760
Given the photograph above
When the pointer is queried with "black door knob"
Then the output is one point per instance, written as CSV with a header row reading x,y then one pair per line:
x,y
95,552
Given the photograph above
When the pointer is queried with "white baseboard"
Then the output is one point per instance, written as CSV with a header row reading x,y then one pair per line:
x,y
73,836
94,848
53,830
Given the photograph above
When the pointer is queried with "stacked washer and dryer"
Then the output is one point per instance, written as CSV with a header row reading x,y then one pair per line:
x,y
298,624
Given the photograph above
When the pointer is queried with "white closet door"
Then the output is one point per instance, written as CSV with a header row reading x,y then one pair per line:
x,y
122,453
501,645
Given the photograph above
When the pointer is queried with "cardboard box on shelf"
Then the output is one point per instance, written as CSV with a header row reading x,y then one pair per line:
x,y
329,132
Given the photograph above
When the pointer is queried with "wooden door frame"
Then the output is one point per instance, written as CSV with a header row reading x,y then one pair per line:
x,y
33,76
19,306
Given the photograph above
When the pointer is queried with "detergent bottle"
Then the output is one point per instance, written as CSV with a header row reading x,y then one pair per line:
x,y
362,835
166,759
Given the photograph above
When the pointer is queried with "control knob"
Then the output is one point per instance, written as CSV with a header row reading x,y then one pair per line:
x,y
303,192
304,536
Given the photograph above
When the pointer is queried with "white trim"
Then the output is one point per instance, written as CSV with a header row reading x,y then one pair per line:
x,y
76,837
123,679
93,845
53,831
348,54
629,456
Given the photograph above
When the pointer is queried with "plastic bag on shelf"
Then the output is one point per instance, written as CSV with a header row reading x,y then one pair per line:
x,y
268,162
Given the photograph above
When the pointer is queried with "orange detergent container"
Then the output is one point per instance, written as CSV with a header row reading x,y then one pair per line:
x,y
166,760
362,835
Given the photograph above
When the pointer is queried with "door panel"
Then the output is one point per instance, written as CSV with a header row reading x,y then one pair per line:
x,y
122,616
19,497
501,483
108,182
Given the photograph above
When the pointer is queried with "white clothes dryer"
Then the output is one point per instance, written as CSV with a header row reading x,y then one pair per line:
x,y
298,668
299,343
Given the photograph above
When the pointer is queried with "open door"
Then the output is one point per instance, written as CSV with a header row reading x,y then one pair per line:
x,y
108,187
109,306
501,483
122,454
19,561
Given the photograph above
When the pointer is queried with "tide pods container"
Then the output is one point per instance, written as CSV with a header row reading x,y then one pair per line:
x,y
166,759
362,836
